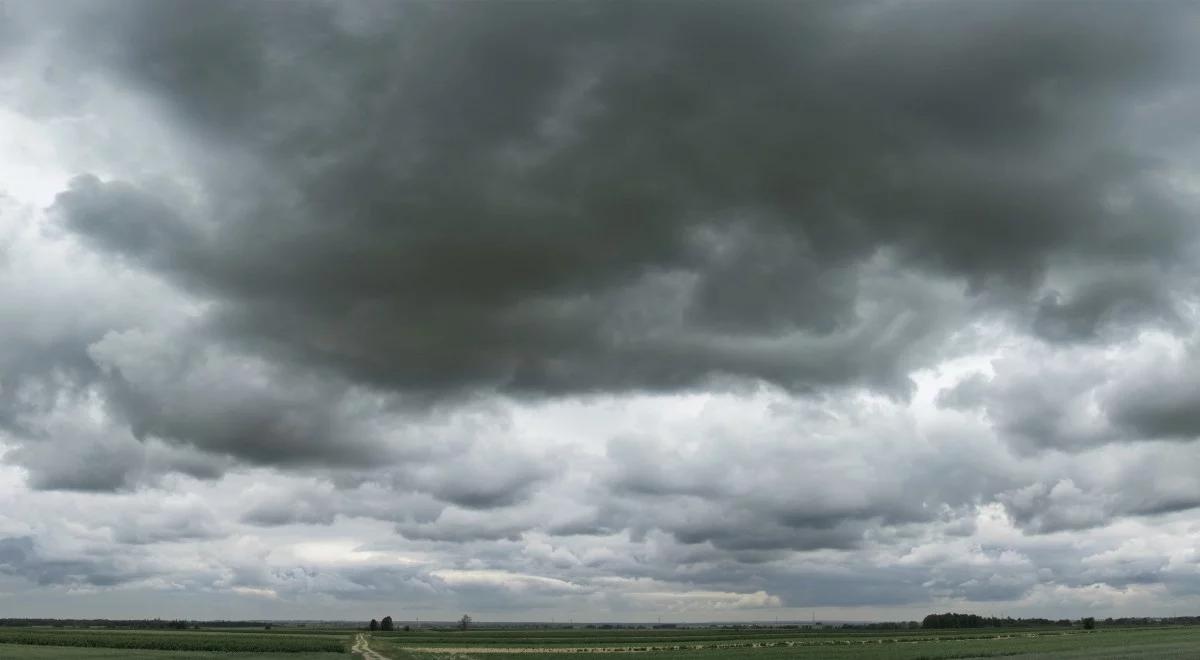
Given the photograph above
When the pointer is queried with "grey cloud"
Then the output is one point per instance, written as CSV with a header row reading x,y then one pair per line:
x,y
970,392
67,452
57,301
363,249
1093,492
1122,571
1102,303
464,526
321,504
776,490
385,584
1080,399
1056,507
1045,401
492,234
172,523
291,510
1159,401
80,463
21,556
125,219
488,478
1162,414
172,388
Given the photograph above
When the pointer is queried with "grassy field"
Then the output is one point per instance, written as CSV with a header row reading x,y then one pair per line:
x,y
770,645
23,652
99,643
682,644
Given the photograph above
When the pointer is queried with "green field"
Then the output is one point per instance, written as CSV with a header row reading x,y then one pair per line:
x,y
1180,642
680,644
15,651
99,643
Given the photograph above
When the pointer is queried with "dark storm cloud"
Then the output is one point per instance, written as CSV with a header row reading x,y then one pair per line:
x,y
509,305
169,523
464,528
484,480
21,556
1083,399
771,489
1039,405
235,405
79,458
126,220
1161,402
389,584
1093,491
322,504
11,34
505,213
32,379
1102,303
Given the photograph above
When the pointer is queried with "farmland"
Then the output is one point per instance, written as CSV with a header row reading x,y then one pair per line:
x,y
556,644
19,652
98,643
1178,642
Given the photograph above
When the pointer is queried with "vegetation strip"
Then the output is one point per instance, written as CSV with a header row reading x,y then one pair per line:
x,y
175,641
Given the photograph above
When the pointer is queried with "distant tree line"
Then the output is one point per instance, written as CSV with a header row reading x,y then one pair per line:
x,y
955,620
881,625
1153,621
386,625
139,624
164,624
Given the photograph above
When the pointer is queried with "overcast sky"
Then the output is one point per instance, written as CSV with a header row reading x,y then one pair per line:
x,y
603,311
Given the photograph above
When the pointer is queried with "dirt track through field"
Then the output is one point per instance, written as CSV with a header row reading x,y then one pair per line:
x,y
362,648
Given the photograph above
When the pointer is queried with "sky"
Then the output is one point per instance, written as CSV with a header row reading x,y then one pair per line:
x,y
599,311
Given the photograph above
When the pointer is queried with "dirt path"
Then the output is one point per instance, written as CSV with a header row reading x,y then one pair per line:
x,y
360,647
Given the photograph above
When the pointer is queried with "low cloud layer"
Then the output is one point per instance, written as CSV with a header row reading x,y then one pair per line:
x,y
722,310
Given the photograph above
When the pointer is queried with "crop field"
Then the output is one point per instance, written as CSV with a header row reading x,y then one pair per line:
x,y
1180,642
99,643
19,652
681,644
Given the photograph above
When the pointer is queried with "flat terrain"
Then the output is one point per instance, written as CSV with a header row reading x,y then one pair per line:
x,y
682,644
24,652
770,644
240,644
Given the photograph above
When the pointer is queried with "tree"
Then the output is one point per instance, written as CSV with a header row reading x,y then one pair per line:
x,y
386,625
1089,623
465,621
373,626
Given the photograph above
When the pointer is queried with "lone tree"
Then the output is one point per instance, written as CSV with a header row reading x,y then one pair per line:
x,y
1089,623
387,626
465,621
374,625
